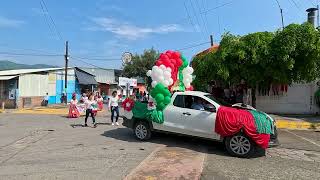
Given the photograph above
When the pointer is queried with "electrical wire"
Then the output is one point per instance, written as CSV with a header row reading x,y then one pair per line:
x,y
46,20
201,15
28,54
77,59
185,6
52,21
198,22
98,59
192,46
217,7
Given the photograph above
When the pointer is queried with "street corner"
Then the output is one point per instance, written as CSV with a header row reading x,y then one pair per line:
x,y
296,124
170,163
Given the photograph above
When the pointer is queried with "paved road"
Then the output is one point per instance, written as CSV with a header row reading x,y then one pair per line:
x,y
53,147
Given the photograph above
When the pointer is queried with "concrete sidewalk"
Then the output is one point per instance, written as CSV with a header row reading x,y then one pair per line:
x,y
300,122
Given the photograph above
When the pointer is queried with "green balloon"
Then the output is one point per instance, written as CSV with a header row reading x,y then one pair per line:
x,y
167,93
154,93
159,86
167,100
183,58
161,106
159,98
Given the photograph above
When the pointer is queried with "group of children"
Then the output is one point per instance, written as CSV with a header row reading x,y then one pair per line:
x,y
92,103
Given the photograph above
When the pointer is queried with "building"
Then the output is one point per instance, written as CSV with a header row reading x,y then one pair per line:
x,y
106,79
27,87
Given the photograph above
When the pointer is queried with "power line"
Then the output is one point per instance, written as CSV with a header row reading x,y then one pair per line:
x,y
46,20
217,7
52,21
204,23
72,58
97,59
185,6
205,14
219,20
29,54
192,46
195,13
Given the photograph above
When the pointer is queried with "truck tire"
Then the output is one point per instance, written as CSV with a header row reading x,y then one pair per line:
x,y
239,145
142,131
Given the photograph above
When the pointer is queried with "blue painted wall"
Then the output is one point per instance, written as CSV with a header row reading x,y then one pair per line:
x,y
60,89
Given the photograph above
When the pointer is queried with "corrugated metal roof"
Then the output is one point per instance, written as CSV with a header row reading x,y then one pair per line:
x,y
25,71
7,77
84,77
102,75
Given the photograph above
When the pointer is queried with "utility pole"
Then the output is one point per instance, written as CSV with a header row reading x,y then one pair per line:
x,y
282,19
318,16
66,58
281,14
211,40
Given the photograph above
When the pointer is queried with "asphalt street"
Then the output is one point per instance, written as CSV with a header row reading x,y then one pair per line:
x,y
54,147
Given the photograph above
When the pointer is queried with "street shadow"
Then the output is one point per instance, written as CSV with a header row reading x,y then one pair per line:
x,y
170,140
104,123
175,140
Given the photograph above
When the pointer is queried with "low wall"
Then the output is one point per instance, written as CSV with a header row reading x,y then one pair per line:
x,y
29,102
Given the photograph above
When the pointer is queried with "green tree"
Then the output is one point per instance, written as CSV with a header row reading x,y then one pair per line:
x,y
140,64
263,58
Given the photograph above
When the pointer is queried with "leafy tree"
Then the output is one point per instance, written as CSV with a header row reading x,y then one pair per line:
x,y
140,64
263,58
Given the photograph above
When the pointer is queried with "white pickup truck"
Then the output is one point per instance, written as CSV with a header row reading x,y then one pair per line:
x,y
180,118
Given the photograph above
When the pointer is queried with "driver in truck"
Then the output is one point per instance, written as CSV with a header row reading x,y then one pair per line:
x,y
197,104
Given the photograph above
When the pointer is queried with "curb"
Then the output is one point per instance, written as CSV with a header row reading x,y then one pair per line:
x,y
298,125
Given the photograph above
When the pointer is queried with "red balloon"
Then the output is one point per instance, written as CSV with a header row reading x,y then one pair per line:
x,y
176,55
179,62
173,61
190,88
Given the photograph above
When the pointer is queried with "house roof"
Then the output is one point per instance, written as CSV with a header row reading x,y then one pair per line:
x,y
7,77
206,51
26,71
84,77
106,76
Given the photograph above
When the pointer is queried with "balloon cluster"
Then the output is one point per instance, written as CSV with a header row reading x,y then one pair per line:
x,y
162,96
187,76
172,60
160,74
171,72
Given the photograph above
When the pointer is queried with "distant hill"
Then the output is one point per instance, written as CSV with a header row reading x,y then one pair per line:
x,y
8,65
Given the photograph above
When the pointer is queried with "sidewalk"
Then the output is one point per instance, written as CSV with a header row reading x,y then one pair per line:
x,y
300,122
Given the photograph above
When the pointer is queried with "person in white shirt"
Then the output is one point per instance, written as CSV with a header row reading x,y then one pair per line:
x,y
114,107
90,103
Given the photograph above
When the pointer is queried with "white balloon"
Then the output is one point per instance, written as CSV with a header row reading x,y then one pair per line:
x,y
170,81
189,70
169,69
167,74
154,68
166,83
163,67
154,83
188,76
161,78
149,73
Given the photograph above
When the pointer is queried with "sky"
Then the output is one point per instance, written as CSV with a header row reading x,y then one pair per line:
x,y
100,31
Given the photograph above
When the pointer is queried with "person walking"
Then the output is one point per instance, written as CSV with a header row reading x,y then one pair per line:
x,y
114,107
90,106
73,109
46,99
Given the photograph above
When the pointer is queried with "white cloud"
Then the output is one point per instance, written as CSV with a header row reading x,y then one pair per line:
x,y
130,31
10,23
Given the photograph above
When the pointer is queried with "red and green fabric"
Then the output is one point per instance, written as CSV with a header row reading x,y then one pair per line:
x,y
230,121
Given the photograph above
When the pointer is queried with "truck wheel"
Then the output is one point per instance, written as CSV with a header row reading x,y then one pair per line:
x,y
142,131
239,145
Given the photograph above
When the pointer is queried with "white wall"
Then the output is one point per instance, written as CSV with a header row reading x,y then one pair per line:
x,y
33,85
298,100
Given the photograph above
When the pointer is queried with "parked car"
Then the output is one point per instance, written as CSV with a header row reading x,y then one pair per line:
x,y
181,119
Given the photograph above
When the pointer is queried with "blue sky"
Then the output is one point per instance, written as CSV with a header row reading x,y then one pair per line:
x,y
99,29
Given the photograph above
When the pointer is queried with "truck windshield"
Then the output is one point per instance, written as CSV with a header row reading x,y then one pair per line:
x,y
218,100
